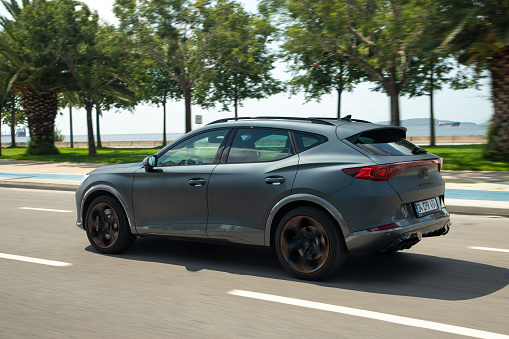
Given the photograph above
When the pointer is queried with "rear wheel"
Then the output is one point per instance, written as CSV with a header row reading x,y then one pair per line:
x,y
107,227
309,244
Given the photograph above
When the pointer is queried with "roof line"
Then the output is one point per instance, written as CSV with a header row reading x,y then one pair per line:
x,y
312,120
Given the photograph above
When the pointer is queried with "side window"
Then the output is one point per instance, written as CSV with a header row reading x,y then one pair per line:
x,y
306,141
259,145
198,150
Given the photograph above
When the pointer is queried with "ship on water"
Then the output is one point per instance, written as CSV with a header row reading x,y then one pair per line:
x,y
449,124
21,131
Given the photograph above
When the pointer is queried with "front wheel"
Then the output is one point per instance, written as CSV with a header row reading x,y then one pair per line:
x,y
309,244
107,227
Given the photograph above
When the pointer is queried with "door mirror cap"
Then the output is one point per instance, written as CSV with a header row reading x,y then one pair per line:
x,y
149,163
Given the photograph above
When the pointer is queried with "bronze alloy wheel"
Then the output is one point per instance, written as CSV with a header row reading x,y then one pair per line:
x,y
107,226
309,243
304,244
103,225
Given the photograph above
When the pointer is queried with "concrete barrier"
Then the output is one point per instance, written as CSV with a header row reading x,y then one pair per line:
x,y
418,140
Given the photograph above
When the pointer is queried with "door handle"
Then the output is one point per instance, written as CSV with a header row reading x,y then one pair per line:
x,y
274,180
197,182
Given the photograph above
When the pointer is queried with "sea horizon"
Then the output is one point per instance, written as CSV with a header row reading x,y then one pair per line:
x,y
464,129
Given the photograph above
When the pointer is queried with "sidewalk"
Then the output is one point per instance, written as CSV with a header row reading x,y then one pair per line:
x,y
467,192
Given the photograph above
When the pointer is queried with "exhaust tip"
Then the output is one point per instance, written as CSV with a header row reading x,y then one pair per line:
x,y
447,227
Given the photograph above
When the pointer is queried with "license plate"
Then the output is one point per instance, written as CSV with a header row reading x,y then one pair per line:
x,y
426,206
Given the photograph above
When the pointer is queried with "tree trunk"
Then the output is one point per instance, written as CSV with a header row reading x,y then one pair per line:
x,y
236,106
187,99
97,118
164,121
432,138
70,124
40,110
236,99
498,135
431,107
90,129
393,90
13,125
340,92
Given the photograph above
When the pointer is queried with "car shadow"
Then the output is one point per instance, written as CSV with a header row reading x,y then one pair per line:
x,y
402,273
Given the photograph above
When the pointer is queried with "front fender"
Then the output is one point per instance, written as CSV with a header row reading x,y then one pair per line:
x,y
113,191
334,213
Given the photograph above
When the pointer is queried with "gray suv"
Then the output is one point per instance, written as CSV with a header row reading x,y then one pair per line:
x,y
312,189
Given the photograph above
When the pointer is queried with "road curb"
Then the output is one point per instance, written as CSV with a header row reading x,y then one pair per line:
x,y
48,185
468,210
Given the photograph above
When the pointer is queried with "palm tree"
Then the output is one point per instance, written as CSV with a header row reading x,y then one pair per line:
x,y
484,40
33,68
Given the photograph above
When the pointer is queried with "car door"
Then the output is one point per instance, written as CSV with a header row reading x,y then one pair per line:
x,y
255,172
171,199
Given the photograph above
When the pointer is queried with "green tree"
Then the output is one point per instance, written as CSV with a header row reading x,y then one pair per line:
x,y
430,73
96,58
4,84
184,37
69,100
157,87
247,74
12,114
380,37
320,74
35,71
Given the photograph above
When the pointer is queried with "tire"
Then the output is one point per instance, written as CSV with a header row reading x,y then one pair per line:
x,y
107,227
309,244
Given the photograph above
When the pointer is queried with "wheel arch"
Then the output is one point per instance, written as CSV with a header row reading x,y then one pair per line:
x,y
300,200
101,190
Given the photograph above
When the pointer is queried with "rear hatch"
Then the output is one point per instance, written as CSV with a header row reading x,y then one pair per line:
x,y
410,170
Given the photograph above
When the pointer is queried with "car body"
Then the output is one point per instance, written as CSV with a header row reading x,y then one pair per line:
x,y
313,189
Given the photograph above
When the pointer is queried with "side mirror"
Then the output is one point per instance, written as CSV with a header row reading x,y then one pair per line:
x,y
149,163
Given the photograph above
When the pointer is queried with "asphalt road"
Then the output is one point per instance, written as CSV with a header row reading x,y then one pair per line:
x,y
444,287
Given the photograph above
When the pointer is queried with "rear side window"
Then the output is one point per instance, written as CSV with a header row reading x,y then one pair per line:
x,y
384,141
259,145
306,141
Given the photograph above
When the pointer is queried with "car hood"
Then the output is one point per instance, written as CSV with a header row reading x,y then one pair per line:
x,y
122,168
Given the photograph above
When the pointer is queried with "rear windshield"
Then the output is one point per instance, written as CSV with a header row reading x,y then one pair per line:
x,y
384,141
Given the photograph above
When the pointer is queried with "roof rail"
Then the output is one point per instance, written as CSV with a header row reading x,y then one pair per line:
x,y
312,120
345,118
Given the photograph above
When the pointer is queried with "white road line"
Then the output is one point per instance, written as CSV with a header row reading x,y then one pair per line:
x,y
489,249
372,315
34,260
44,209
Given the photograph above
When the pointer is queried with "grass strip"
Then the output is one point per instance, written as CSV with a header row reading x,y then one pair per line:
x,y
467,157
104,155
456,157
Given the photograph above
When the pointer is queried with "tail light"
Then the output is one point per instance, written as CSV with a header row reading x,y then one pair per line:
x,y
386,172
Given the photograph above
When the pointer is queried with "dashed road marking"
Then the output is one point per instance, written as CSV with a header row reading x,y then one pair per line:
x,y
489,249
372,315
44,209
34,260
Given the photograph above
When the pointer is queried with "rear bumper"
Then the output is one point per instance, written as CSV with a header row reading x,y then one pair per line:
x,y
399,238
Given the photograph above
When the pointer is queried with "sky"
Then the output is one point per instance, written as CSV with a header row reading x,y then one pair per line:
x,y
465,105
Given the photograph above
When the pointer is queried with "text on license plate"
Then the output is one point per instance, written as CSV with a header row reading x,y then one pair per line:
x,y
425,206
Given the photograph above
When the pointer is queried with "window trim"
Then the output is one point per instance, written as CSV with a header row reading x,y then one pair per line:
x,y
219,151
323,139
227,149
